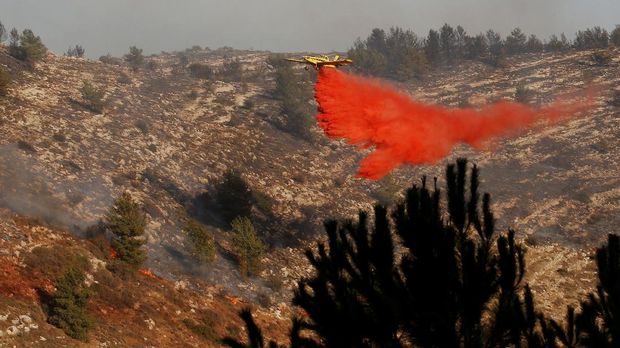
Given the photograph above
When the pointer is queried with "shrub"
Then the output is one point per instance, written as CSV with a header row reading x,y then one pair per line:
x,y
52,261
134,58
263,202
233,196
5,81
615,98
142,125
92,97
67,306
247,247
127,222
27,46
25,146
523,94
231,70
205,328
108,59
123,79
200,71
77,51
199,242
601,58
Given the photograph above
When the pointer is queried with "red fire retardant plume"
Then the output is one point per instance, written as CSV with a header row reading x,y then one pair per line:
x,y
369,113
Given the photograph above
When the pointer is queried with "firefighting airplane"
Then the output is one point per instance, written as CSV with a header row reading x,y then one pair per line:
x,y
318,62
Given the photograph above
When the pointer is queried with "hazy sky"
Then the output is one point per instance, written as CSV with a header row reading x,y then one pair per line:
x,y
103,26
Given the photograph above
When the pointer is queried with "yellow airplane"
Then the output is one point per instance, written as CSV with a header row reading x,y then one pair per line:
x,y
318,62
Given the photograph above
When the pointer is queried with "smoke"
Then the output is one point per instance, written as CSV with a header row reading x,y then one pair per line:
x,y
369,113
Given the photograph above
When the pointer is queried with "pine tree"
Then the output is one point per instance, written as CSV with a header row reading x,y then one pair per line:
x,y
247,247
92,97
599,323
432,47
614,37
32,46
127,222
447,38
515,42
199,242
67,307
457,283
134,58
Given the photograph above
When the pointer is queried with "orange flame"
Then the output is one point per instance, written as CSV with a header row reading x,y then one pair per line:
x,y
113,253
147,273
234,300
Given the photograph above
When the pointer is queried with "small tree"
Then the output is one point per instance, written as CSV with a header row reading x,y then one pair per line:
x,y
134,58
3,33
77,51
93,97
67,307
615,36
200,71
523,94
515,42
5,81
247,247
32,45
233,195
231,70
199,242
127,222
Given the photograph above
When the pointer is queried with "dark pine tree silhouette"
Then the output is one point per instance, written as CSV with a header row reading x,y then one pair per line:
x,y
421,276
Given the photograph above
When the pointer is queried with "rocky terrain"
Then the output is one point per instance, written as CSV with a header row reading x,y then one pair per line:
x,y
167,137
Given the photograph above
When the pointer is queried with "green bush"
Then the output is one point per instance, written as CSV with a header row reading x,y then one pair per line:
x,y
92,97
134,58
601,58
67,306
3,34
247,247
615,36
233,195
263,202
5,81
27,46
199,242
127,222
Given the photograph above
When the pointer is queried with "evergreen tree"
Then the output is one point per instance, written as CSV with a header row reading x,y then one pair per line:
x,y
32,46
127,222
377,41
457,284
476,47
93,97
247,247
534,44
515,42
595,37
199,242
447,38
497,52
557,45
461,38
368,60
134,58
599,321
67,307
432,47
615,36
77,51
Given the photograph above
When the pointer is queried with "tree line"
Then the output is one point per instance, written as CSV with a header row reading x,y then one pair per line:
x,y
401,54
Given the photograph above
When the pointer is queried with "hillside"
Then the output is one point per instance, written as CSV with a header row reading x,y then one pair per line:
x,y
167,137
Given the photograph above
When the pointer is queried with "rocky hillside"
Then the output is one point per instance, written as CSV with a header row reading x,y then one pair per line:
x,y
166,137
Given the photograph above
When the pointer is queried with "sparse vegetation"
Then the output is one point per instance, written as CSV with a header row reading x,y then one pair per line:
x,y
126,221
26,47
3,33
601,58
123,79
134,58
615,36
595,37
67,307
92,97
200,71
523,94
293,94
231,70
199,242
77,51
247,247
109,59
233,195
205,328
5,82
25,146
263,202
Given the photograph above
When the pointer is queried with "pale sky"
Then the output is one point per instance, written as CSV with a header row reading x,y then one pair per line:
x,y
103,26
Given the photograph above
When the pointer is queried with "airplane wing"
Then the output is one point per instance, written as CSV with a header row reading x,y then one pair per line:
x,y
335,62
